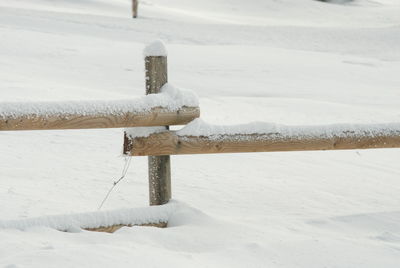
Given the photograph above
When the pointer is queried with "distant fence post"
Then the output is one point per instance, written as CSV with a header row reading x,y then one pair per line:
x,y
159,166
135,4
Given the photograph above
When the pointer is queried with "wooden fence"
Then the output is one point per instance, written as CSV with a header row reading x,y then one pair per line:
x,y
159,146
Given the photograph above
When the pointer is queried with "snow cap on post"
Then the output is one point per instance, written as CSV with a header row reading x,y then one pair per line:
x,y
155,49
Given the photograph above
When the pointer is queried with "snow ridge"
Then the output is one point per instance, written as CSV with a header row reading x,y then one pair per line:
x,y
133,216
200,128
170,98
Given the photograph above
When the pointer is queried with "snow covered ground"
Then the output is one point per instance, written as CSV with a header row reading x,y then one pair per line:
x,y
289,62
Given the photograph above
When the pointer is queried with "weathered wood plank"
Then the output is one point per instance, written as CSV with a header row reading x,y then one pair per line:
x,y
172,144
155,117
159,166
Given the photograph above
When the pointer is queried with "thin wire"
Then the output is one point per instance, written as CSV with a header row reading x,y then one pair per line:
x,y
123,174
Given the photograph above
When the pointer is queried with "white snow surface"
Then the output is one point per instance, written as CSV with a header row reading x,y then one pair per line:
x,y
200,128
135,132
156,48
170,98
289,62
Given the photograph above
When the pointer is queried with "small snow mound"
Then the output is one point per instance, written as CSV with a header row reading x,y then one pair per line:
x,y
180,97
156,48
139,132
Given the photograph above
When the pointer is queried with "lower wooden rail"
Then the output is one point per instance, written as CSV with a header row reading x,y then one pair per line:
x,y
306,139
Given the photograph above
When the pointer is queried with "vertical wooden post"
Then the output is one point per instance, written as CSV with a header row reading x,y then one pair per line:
x,y
135,4
159,166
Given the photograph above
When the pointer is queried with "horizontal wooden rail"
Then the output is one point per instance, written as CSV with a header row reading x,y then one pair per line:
x,y
171,143
154,117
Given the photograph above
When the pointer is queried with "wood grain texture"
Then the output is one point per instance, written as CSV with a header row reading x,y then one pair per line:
x,y
155,117
172,144
159,179
159,166
156,73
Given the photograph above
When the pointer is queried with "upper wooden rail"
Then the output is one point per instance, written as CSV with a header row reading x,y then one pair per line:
x,y
101,117
154,117
170,143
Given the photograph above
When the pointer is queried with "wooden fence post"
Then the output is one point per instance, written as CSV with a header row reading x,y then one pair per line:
x,y
159,166
135,4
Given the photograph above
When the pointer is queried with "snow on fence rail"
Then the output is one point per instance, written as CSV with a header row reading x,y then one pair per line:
x,y
170,107
201,138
